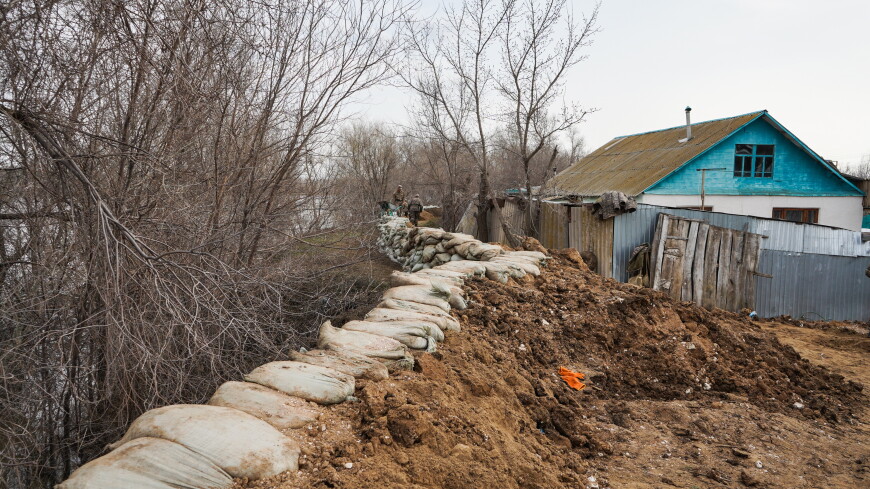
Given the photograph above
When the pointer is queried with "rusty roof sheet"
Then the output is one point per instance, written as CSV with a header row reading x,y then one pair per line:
x,y
631,164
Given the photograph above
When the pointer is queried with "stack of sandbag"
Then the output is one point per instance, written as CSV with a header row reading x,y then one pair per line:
x,y
422,248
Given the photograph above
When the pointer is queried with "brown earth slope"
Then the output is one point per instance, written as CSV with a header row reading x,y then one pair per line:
x,y
677,396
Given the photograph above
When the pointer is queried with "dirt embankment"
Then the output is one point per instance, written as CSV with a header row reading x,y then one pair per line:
x,y
677,397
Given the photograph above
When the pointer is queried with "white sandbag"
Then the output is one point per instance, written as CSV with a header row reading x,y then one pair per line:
x,y
446,323
413,336
360,366
534,254
310,382
428,253
499,272
454,278
443,257
512,269
276,408
412,306
416,327
370,345
526,266
521,255
149,463
457,302
238,443
483,251
434,296
398,279
464,249
457,239
467,267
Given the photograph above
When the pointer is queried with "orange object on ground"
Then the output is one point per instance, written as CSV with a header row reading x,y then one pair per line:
x,y
572,378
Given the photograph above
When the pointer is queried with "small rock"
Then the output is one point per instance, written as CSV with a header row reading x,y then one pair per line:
x,y
758,464
460,450
798,405
522,347
402,458
348,465
544,322
739,453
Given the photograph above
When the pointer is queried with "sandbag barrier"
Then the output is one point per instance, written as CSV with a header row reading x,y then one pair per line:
x,y
239,433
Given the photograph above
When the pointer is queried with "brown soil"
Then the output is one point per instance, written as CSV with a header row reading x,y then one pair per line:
x,y
677,396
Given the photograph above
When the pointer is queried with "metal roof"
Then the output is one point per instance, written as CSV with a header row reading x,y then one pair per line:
x,y
631,164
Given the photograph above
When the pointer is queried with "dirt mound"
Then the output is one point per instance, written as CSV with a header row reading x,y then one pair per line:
x,y
676,396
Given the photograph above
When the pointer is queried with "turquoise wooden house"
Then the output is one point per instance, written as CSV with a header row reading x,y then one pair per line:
x,y
748,164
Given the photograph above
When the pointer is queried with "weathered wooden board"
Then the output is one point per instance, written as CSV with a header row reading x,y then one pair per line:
x,y
689,259
709,265
698,265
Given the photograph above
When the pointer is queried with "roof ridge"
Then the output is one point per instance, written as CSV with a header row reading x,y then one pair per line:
x,y
763,111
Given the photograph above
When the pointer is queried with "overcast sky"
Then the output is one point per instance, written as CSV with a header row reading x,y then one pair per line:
x,y
806,61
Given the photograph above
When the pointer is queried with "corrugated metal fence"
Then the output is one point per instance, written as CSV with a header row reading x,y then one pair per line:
x,y
514,215
812,286
817,271
589,233
553,225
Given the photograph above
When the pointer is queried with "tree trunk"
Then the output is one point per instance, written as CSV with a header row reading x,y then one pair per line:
x,y
483,207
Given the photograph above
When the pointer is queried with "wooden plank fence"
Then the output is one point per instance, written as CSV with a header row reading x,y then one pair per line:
x,y
708,265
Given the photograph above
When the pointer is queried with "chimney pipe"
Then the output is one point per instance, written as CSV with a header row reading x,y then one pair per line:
x,y
688,123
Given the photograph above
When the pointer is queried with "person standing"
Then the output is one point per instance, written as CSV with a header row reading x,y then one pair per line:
x,y
415,207
399,200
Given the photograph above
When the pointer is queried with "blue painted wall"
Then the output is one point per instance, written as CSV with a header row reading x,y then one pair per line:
x,y
794,171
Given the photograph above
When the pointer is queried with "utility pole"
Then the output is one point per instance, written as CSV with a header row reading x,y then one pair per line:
x,y
704,179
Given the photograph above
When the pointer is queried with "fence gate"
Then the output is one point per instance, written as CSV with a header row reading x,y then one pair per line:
x,y
708,265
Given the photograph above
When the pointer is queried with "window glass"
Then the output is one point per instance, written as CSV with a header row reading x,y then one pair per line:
x,y
753,160
764,149
797,214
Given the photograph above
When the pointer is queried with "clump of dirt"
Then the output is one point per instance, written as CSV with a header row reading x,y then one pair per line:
x,y
676,396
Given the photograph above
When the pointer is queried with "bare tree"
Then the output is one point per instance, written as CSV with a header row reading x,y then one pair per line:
x,y
167,219
370,158
862,169
540,43
495,61
455,81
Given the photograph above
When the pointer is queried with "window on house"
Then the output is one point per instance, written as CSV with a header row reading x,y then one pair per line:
x,y
753,160
796,214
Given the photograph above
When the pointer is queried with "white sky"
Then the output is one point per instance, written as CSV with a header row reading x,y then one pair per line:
x,y
806,61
